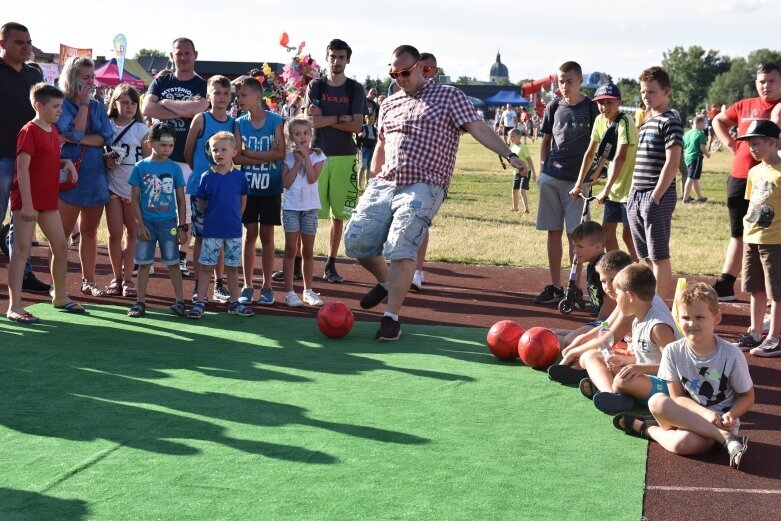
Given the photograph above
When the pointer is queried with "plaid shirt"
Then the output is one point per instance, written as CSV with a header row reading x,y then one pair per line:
x,y
421,134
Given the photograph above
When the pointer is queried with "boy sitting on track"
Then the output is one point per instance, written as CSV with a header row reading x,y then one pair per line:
x,y
709,384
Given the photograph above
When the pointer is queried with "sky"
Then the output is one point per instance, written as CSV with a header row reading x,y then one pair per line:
x,y
619,38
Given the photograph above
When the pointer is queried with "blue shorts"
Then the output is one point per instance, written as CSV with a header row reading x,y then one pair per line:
x,y
694,170
615,213
392,220
210,251
366,156
657,386
196,224
303,221
163,233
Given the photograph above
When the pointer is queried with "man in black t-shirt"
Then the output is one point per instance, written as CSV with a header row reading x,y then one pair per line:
x,y
16,78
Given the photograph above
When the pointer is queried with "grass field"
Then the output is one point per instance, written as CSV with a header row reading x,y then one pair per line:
x,y
109,418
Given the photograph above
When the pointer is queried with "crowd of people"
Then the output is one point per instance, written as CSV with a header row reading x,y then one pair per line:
x,y
203,176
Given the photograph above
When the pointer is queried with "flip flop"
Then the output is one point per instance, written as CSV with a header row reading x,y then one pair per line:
x,y
23,318
72,307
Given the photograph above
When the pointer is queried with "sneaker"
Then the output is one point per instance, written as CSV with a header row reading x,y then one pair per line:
x,y
237,308
550,295
766,323
292,300
331,276
747,341
31,284
566,374
417,281
701,199
768,348
280,276
613,403
312,298
266,297
135,270
690,200
246,295
724,290
221,293
389,331
183,268
375,295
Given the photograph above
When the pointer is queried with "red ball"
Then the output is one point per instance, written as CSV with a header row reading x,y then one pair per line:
x,y
539,347
335,319
502,339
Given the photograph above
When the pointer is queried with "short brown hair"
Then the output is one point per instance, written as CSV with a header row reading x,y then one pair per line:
x,y
591,230
657,74
698,119
613,262
637,278
250,82
220,80
5,31
43,93
700,292
183,39
571,66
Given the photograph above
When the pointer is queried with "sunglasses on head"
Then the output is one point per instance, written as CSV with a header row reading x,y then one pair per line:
x,y
404,73
428,68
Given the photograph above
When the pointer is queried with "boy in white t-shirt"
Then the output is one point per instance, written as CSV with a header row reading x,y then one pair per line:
x,y
300,172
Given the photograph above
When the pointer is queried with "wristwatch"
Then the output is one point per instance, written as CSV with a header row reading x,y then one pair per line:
x,y
184,227
512,155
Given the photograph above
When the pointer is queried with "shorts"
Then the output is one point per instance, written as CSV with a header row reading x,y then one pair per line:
x,y
521,182
557,209
186,172
694,170
210,251
737,204
762,269
650,223
392,220
507,130
303,221
366,157
196,224
263,209
615,213
162,233
338,186
657,386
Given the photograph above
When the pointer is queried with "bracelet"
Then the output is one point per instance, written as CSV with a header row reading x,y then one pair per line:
x,y
83,104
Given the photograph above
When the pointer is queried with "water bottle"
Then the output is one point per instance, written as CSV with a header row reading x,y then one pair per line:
x,y
605,341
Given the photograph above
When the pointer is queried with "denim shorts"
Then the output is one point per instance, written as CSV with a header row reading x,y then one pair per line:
x,y
163,233
304,221
366,156
7,167
197,218
392,220
210,251
615,213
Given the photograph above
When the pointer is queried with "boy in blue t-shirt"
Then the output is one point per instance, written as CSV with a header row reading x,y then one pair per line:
x,y
223,195
158,204
263,138
198,156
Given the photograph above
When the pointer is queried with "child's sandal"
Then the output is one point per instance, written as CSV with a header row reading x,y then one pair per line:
x,y
626,422
736,447
128,289
197,310
137,310
89,288
114,289
178,308
587,388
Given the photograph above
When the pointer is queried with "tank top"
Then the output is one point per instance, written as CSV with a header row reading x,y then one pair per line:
x,y
263,178
202,157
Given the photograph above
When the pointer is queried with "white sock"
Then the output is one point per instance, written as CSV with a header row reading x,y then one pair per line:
x,y
389,314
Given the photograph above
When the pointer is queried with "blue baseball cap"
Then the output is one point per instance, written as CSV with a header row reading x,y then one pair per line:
x,y
607,91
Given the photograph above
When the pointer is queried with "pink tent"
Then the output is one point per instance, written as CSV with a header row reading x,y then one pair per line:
x,y
109,75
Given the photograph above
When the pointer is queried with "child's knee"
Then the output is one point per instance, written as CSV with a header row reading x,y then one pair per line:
x,y
657,403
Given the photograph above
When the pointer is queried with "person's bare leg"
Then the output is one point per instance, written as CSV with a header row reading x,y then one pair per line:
x,y
758,306
115,225
733,260
306,252
291,245
664,277
248,252
515,199
524,200
143,279
23,238
131,231
399,279
267,255
51,226
696,188
598,372
176,281
422,249
203,282
335,237
555,252
611,241
88,247
377,266
626,234
232,273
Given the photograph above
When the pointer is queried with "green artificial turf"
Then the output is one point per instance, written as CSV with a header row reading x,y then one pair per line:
x,y
107,417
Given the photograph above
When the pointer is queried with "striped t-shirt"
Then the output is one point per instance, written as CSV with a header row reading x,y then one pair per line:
x,y
656,135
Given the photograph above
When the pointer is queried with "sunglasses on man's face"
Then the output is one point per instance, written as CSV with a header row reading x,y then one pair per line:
x,y
404,73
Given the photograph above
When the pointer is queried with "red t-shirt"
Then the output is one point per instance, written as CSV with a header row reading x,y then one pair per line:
x,y
44,150
743,113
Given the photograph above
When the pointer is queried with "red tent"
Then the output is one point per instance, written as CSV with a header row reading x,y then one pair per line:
x,y
109,75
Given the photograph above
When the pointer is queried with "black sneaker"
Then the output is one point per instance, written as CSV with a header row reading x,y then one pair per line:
x,y
279,275
747,341
613,403
31,284
375,295
724,290
389,331
331,276
3,237
550,295
566,374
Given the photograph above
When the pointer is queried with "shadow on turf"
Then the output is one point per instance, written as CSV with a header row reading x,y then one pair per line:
x,y
22,505
89,385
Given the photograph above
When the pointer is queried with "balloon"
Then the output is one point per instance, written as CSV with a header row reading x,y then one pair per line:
x,y
284,39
